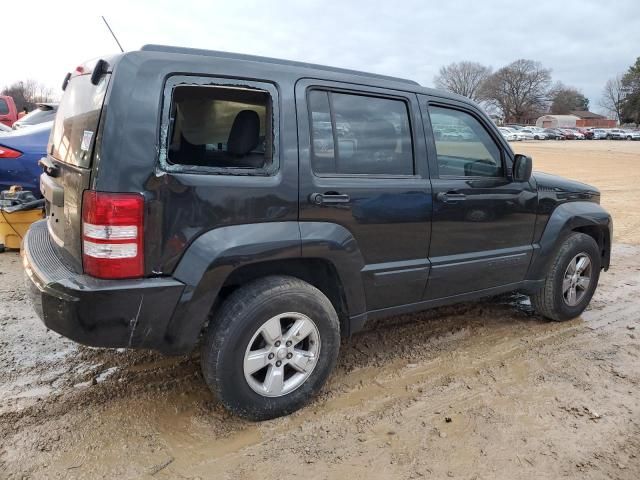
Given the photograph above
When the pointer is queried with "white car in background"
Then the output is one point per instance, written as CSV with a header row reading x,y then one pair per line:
x,y
599,133
508,134
616,134
632,134
537,135
516,132
526,134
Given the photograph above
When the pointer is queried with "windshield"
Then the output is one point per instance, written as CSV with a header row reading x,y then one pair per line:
x,y
75,126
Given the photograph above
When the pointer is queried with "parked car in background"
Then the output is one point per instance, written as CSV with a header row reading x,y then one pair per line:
x,y
553,134
578,134
587,132
599,133
8,111
632,134
535,134
516,132
508,134
568,133
20,151
44,112
616,134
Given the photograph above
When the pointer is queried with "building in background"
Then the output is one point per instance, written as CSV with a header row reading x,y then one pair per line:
x,y
590,119
578,118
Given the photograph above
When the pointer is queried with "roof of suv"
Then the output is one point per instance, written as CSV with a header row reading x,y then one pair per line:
x,y
274,61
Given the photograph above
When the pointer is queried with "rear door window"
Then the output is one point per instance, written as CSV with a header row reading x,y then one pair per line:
x,y
359,134
74,129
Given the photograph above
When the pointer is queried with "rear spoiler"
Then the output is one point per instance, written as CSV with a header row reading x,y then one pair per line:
x,y
96,70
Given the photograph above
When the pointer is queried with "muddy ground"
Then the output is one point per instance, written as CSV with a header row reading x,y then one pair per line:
x,y
485,390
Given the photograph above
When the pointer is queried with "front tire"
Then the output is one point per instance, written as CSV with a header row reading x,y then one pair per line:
x,y
571,281
270,348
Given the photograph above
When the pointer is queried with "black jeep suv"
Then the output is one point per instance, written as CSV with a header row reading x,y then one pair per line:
x,y
265,207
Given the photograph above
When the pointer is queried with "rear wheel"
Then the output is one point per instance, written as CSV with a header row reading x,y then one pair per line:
x,y
571,280
271,347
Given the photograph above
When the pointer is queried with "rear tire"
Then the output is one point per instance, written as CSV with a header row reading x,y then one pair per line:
x,y
577,259
270,348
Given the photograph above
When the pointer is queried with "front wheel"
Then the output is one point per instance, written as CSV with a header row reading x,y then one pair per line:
x,y
271,347
571,280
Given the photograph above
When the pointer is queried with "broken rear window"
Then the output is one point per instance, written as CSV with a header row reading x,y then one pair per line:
x,y
221,127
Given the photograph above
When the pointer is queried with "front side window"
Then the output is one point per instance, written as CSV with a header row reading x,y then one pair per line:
x,y
358,134
463,145
4,107
220,127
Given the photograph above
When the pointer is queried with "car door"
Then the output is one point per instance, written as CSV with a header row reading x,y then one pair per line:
x,y
483,219
363,167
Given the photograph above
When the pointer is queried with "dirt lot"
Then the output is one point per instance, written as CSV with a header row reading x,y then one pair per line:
x,y
478,391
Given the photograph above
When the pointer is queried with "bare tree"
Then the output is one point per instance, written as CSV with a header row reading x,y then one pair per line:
x,y
463,78
28,93
520,90
613,96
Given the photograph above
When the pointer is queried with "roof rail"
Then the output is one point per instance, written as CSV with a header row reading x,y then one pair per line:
x,y
275,61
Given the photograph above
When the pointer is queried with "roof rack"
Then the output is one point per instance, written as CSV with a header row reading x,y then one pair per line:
x,y
275,61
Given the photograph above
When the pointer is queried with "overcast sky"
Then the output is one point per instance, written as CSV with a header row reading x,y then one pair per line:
x,y
583,42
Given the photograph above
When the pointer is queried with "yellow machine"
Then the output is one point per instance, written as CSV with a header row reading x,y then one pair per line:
x,y
18,210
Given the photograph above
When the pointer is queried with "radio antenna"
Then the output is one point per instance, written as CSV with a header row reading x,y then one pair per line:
x,y
113,34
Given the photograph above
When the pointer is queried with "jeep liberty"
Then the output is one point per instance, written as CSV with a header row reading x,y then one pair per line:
x,y
264,208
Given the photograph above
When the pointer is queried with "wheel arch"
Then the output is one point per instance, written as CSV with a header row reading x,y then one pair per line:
x,y
323,254
579,216
319,272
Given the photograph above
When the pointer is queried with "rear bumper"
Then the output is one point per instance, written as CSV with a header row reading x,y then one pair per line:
x,y
99,313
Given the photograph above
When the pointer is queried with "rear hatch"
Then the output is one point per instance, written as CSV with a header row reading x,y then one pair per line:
x,y
67,166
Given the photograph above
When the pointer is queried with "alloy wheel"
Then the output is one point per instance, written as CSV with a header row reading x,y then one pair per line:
x,y
577,278
282,354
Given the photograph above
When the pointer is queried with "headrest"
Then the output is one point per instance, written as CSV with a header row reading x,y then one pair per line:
x,y
245,133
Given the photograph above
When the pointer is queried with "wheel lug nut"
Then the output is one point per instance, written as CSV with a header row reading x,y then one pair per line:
x,y
289,355
278,363
288,343
271,355
278,343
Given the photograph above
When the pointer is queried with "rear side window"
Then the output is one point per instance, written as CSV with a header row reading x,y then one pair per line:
x,y
463,145
358,134
4,107
220,127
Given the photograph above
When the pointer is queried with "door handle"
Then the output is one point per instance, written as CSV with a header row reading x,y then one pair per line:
x,y
322,198
452,196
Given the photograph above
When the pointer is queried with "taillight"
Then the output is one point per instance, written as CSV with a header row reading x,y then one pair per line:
x,y
112,234
6,152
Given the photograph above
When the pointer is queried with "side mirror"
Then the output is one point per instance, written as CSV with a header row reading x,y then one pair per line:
x,y
522,166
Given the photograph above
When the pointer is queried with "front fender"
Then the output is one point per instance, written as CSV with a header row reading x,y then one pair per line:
x,y
566,218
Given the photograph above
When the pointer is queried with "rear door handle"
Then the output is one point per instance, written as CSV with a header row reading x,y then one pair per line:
x,y
323,198
453,196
